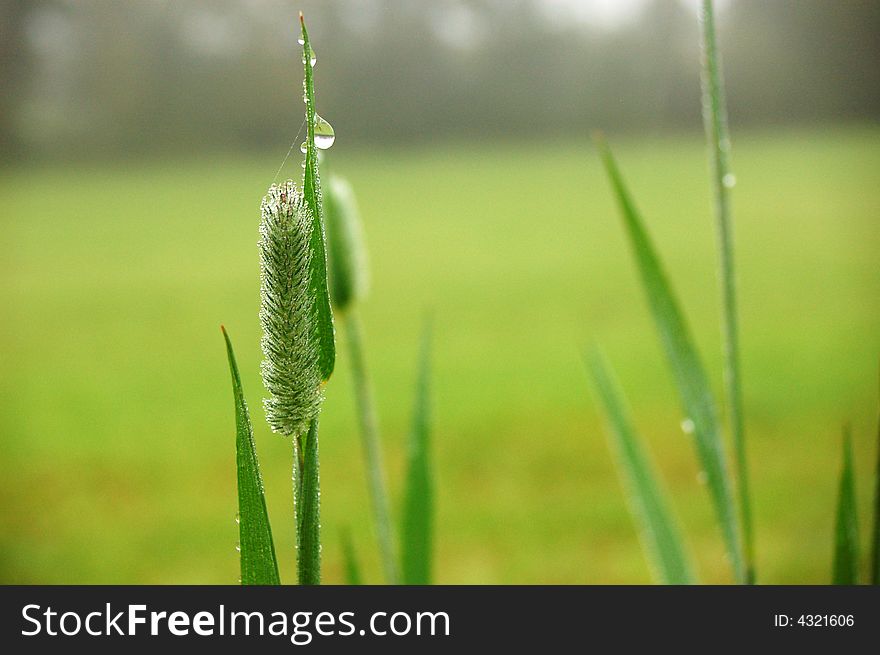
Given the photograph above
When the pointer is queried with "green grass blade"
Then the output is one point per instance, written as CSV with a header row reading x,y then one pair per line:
x,y
875,550
258,563
718,137
372,451
661,535
309,514
312,193
352,570
690,378
846,541
418,507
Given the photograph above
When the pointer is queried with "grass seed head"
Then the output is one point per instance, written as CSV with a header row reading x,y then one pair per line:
x,y
288,314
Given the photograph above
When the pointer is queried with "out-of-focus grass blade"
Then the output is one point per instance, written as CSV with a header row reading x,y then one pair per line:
x,y
693,385
352,570
312,193
715,121
660,532
258,563
875,551
846,541
418,505
309,515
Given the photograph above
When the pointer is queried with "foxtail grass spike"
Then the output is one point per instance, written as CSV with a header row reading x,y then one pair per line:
x,y
717,135
291,365
690,378
660,533
256,548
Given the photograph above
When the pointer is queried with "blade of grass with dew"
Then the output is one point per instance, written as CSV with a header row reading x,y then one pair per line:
x,y
348,284
418,504
690,378
718,137
352,570
660,532
309,515
312,193
257,551
846,534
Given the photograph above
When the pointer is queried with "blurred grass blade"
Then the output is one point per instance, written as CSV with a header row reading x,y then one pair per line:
x,y
693,386
846,542
418,507
658,528
875,551
312,193
309,514
372,451
717,134
258,563
352,570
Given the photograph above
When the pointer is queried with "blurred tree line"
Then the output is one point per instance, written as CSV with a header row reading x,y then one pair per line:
x,y
91,78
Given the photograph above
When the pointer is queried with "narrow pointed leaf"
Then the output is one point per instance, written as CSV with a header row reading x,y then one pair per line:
x,y
418,507
717,135
875,550
846,542
258,563
312,192
309,514
371,447
660,533
352,570
693,385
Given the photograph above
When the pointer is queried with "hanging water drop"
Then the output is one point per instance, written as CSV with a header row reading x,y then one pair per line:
x,y
237,517
687,426
313,58
324,134
238,548
303,147
729,180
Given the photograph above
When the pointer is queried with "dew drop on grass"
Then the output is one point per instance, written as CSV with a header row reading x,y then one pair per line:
x,y
687,426
729,180
238,548
237,517
303,147
324,134
312,58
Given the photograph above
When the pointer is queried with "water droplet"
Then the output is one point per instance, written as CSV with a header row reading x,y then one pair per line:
x,y
313,58
303,147
687,426
237,517
238,548
305,98
300,41
729,180
702,478
324,134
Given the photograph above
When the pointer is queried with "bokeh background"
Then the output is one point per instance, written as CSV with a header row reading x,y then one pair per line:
x,y
137,139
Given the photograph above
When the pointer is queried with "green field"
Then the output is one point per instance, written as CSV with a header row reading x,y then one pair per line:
x,y
115,404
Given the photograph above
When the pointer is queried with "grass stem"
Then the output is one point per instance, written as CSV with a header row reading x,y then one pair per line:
x,y
717,134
